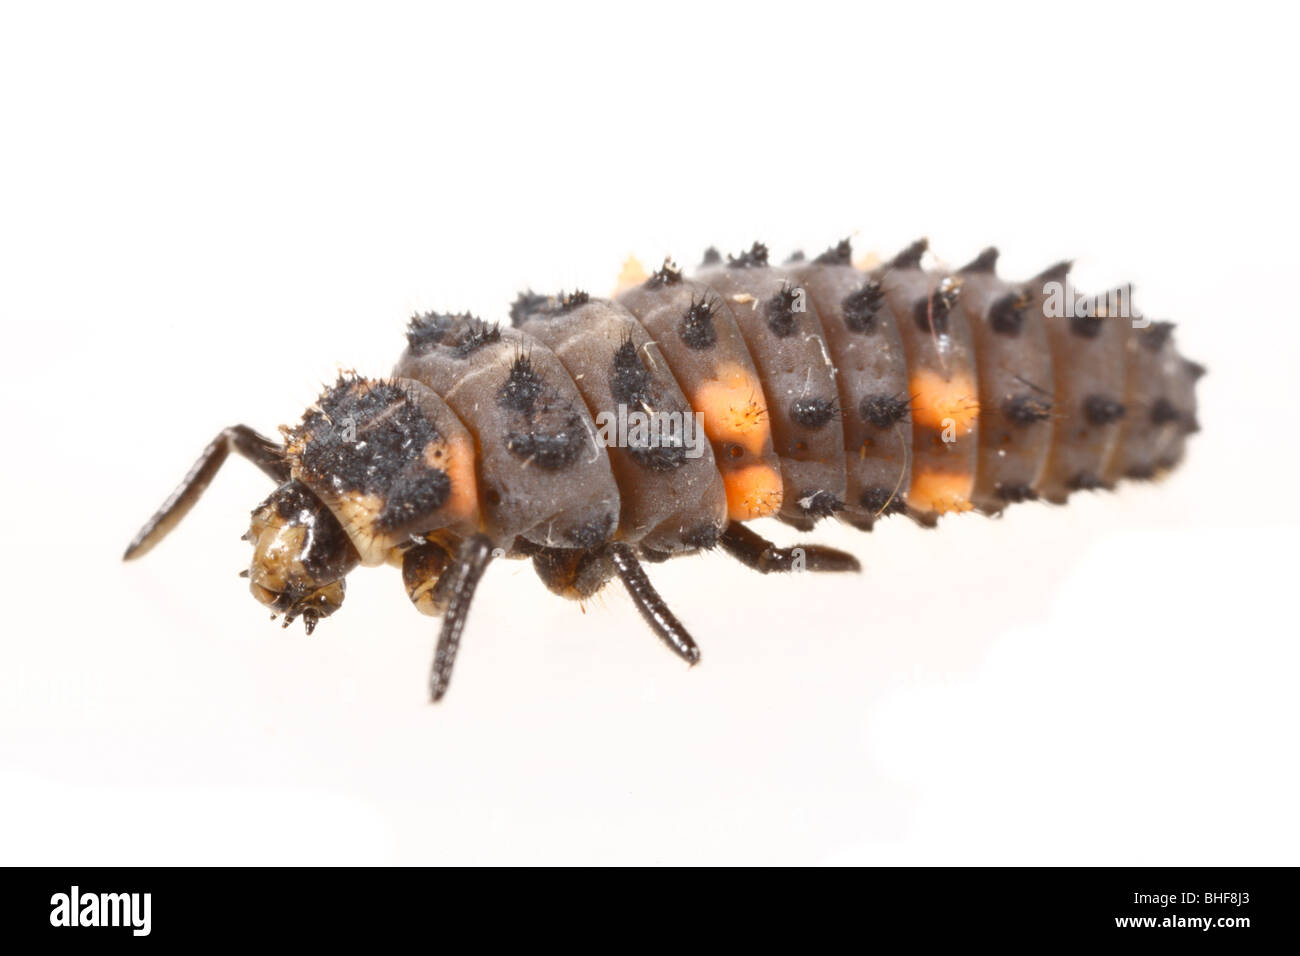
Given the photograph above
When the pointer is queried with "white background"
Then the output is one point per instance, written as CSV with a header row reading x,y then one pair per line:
x,y
204,214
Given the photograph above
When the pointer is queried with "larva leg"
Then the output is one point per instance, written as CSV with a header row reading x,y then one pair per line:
x,y
652,607
260,450
456,588
757,552
423,566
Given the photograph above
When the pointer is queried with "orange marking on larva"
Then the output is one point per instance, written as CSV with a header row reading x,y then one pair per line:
x,y
734,409
456,459
752,492
939,401
940,491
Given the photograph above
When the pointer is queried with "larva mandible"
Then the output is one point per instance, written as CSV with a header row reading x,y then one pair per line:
x,y
822,390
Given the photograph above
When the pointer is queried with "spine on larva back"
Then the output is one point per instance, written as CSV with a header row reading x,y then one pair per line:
x,y
824,390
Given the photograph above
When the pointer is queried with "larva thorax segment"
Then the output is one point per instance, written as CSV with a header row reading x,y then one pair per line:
x,y
672,497
543,474
389,459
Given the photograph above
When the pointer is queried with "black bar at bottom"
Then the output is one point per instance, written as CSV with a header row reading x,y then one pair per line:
x,y
300,907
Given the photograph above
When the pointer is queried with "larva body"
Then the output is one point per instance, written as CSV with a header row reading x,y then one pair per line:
x,y
823,390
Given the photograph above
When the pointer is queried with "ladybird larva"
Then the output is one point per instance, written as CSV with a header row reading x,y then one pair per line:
x,y
590,435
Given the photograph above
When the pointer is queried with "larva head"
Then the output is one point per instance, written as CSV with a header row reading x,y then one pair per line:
x,y
388,459
300,556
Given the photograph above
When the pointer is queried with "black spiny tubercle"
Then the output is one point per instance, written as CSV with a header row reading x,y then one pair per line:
x,y
840,254
752,258
1087,326
1156,335
883,501
1007,314
630,382
1163,412
544,429
860,307
568,301
910,258
531,303
464,334
814,412
884,411
697,330
819,504
527,303
633,387
666,274
781,309
1016,493
931,313
1026,409
552,449
1102,410
983,264
522,387
1086,481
